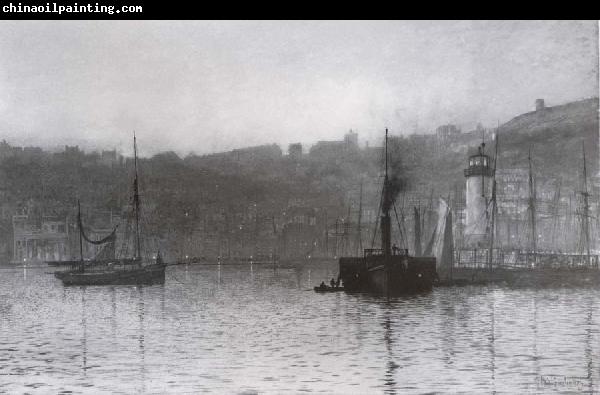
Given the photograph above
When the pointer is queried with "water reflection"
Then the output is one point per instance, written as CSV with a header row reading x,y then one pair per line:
x,y
536,358
446,329
492,341
219,275
84,328
113,304
162,305
391,366
297,277
588,346
268,332
141,334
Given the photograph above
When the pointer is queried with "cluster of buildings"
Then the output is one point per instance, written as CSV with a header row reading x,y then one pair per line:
x,y
46,240
27,153
533,211
328,226
33,228
40,238
30,154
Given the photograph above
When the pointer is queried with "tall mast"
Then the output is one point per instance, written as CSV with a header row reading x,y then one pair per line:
x,y
555,212
427,224
387,203
326,234
358,227
136,201
586,208
386,224
417,230
483,173
532,198
80,235
494,204
347,231
256,228
386,156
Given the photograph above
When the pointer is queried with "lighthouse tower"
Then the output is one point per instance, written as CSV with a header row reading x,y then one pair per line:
x,y
479,187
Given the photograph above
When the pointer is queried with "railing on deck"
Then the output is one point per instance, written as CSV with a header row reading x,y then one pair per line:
x,y
101,266
517,259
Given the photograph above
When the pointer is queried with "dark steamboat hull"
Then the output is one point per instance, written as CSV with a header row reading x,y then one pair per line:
x,y
398,283
404,275
145,275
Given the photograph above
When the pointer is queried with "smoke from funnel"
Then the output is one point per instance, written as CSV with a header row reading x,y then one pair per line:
x,y
396,182
393,188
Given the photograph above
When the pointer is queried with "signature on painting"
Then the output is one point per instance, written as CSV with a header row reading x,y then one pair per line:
x,y
559,381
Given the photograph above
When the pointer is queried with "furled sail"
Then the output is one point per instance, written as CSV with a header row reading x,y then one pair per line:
x,y
429,247
417,231
444,242
106,253
111,238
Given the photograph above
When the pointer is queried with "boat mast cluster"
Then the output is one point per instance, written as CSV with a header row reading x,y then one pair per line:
x,y
136,202
385,207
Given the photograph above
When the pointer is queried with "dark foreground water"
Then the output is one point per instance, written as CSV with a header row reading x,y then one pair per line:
x,y
254,329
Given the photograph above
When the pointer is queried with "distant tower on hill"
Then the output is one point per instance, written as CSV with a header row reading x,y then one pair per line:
x,y
351,139
539,105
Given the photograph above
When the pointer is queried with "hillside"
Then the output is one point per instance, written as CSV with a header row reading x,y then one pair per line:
x,y
556,136
226,196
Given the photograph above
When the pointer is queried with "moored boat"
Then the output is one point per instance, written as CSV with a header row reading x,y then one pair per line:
x,y
487,261
116,273
107,270
388,270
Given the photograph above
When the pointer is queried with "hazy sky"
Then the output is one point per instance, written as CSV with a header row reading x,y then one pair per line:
x,y
213,86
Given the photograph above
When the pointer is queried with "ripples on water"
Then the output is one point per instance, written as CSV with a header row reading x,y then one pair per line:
x,y
254,329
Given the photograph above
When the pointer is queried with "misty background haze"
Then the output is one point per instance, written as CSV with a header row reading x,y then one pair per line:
x,y
209,86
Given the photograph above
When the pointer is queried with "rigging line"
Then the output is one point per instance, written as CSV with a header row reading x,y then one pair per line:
x,y
126,235
482,218
402,241
427,210
377,218
403,224
136,199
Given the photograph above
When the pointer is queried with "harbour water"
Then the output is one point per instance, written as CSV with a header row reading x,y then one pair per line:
x,y
256,329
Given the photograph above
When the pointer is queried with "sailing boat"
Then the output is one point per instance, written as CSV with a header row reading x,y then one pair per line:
x,y
388,270
126,271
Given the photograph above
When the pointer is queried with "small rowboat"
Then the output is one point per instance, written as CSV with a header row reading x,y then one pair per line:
x,y
326,288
